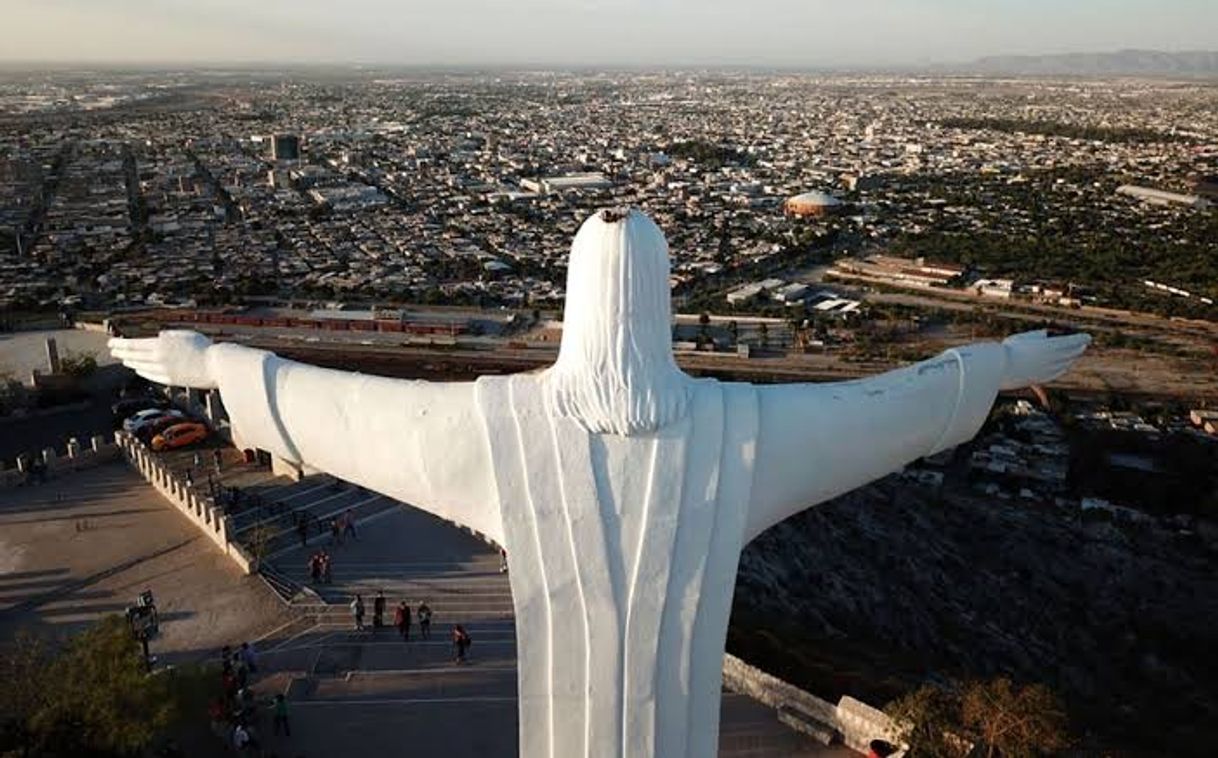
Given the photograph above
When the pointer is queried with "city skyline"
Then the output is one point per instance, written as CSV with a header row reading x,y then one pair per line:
x,y
810,34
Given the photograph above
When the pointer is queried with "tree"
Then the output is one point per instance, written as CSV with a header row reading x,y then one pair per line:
x,y
78,365
1003,719
259,540
1014,721
92,697
926,717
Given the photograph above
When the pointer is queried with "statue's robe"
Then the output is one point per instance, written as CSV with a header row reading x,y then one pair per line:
x,y
623,555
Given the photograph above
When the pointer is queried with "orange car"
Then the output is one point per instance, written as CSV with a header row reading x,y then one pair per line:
x,y
180,435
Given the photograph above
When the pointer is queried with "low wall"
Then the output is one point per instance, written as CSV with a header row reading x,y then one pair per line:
x,y
77,456
208,518
856,722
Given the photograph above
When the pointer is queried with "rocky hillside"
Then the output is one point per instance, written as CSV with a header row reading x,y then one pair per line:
x,y
892,585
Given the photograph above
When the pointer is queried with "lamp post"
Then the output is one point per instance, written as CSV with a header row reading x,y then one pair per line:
x,y
142,617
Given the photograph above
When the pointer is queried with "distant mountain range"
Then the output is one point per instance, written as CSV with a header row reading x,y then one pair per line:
x,y
1124,62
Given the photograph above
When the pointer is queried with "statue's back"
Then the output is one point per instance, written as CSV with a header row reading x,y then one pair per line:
x,y
623,553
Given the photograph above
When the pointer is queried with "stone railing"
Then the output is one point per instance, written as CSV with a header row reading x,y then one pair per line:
x,y
206,516
855,722
76,457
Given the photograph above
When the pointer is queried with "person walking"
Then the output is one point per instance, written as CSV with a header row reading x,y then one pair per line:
x,y
378,611
325,567
315,567
241,739
217,459
197,460
349,524
190,477
503,567
357,610
424,621
302,529
401,619
336,533
280,709
461,643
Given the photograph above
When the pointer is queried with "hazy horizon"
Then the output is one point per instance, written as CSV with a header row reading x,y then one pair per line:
x,y
812,34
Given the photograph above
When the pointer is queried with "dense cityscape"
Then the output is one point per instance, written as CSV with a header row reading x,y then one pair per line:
x,y
397,187
417,223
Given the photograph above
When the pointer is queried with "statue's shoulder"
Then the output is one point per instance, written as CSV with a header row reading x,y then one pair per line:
x,y
499,395
492,382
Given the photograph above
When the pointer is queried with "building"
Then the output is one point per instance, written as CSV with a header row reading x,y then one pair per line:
x,y
813,204
1001,288
1159,197
548,185
918,272
751,291
285,147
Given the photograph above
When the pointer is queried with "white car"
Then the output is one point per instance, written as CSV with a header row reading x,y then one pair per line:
x,y
147,418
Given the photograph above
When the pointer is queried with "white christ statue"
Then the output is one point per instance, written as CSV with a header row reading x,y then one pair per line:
x,y
623,489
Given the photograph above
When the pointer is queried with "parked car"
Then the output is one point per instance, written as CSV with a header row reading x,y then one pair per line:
x,y
142,419
180,435
129,406
158,425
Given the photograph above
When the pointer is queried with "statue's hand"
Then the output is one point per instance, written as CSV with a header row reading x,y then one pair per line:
x,y
1036,358
177,358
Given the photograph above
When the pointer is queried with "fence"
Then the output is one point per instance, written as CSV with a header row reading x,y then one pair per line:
x,y
854,721
211,520
53,465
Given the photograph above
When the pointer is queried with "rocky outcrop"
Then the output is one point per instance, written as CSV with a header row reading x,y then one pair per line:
x,y
892,585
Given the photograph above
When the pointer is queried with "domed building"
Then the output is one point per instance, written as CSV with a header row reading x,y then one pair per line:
x,y
814,204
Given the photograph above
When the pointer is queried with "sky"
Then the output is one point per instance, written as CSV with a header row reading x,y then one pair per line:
x,y
788,33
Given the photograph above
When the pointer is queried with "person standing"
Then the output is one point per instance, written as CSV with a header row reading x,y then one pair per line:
x,y
424,621
302,529
315,567
336,532
197,460
357,611
325,567
281,716
217,459
250,656
378,611
349,525
503,567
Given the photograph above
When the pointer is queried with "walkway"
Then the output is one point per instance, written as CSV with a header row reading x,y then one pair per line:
x,y
367,691
355,692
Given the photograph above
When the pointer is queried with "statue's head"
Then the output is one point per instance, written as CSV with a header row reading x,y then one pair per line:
x,y
615,371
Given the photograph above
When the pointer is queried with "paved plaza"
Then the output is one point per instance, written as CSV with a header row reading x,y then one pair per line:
x,y
88,544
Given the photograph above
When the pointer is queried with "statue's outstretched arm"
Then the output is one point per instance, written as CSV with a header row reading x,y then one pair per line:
x,y
420,442
817,441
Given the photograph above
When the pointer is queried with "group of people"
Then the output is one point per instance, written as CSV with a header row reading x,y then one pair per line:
x,y
319,567
341,527
235,714
403,619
